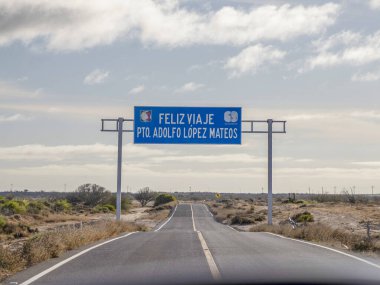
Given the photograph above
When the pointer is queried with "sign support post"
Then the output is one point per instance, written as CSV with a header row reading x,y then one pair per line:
x,y
119,166
270,205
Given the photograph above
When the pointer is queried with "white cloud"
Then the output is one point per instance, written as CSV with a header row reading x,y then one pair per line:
x,y
11,90
137,89
345,48
64,152
366,77
189,87
252,58
328,172
339,40
369,114
96,76
374,4
309,116
14,118
367,163
76,25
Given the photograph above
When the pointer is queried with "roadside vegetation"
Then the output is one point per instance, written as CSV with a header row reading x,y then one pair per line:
x,y
47,245
346,221
36,229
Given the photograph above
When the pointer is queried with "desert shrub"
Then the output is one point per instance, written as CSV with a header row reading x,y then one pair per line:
x,y
163,207
105,208
35,207
362,245
303,217
125,202
241,220
61,206
145,195
251,209
163,199
90,195
10,261
13,207
259,218
18,230
3,222
42,247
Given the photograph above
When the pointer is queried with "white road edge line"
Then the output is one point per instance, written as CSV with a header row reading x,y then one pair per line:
x,y
43,273
210,260
328,248
232,228
208,210
156,230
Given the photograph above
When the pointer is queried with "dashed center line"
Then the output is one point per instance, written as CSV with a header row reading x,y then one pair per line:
x,y
210,260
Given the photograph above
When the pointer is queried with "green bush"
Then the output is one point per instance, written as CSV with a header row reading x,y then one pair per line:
x,y
3,222
105,208
35,207
163,199
13,207
125,202
90,195
303,217
61,206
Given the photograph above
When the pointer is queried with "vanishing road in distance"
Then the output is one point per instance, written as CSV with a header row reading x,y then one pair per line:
x,y
192,248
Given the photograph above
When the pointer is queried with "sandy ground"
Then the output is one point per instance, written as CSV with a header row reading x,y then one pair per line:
x,y
135,214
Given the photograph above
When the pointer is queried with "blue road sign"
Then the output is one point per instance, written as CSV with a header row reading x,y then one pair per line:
x,y
187,125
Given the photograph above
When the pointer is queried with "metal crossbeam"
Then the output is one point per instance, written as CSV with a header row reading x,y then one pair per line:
x,y
114,127
253,130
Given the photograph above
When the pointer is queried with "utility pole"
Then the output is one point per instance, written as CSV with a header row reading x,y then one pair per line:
x,y
372,189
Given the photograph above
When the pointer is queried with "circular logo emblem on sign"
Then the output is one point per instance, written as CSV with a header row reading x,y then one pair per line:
x,y
146,116
231,116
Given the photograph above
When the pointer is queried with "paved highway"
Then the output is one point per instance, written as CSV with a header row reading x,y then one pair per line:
x,y
191,248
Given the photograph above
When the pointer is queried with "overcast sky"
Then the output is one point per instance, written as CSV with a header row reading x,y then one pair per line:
x,y
64,65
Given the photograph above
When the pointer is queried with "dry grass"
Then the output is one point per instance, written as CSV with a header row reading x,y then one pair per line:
x,y
236,212
161,212
52,244
317,232
337,224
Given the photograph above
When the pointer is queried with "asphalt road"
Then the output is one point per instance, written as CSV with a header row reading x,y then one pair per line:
x,y
191,248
